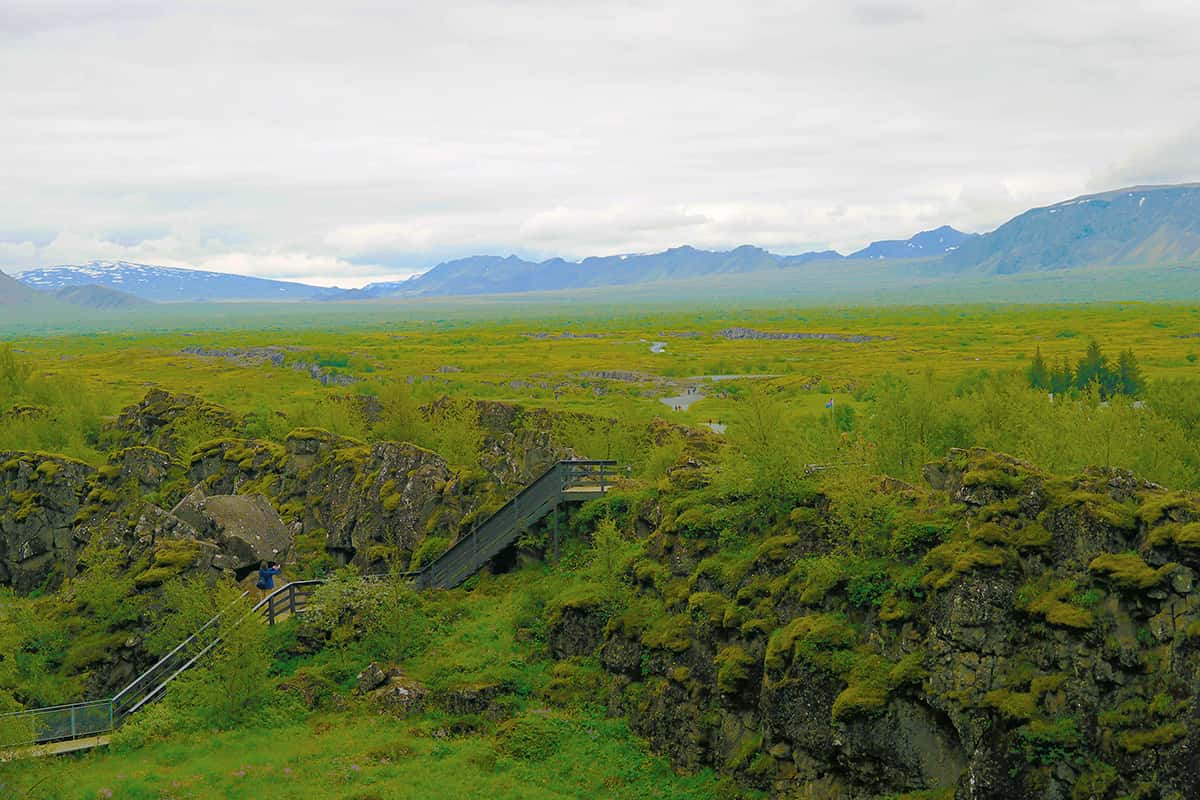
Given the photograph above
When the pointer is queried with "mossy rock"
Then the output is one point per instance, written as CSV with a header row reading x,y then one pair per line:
x,y
807,635
1103,508
170,558
1128,571
1133,742
1183,535
671,633
708,607
859,700
733,665
529,737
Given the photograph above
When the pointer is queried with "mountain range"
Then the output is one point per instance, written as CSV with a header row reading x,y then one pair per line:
x,y
1155,226
166,284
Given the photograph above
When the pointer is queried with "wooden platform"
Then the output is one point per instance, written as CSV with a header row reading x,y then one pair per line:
x,y
56,748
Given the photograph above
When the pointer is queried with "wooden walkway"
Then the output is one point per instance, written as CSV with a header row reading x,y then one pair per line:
x,y
91,723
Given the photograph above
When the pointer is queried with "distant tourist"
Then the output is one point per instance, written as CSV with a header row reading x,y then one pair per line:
x,y
266,577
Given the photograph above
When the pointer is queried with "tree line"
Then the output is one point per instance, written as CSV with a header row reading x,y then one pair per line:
x,y
1122,377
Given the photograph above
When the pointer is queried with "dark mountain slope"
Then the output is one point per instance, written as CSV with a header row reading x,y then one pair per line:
x,y
100,297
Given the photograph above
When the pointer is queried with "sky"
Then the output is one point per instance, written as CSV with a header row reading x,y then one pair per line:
x,y
345,142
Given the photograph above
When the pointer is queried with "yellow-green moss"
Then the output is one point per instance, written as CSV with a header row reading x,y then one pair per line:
x,y
1128,571
1103,508
708,607
170,559
49,470
733,668
859,699
1013,705
1185,535
1156,506
949,561
669,632
1137,741
805,636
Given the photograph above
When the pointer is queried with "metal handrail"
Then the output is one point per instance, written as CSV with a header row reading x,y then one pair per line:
x,y
569,474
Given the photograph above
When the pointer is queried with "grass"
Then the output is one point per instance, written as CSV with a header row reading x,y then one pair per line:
x,y
367,756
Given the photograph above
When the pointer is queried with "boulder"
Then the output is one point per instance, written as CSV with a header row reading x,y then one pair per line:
x,y
246,528
399,697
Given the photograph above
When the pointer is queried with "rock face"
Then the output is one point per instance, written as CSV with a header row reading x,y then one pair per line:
x,y
246,528
170,421
40,496
1028,636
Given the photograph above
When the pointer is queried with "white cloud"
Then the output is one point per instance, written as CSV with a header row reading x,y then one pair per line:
x,y
291,139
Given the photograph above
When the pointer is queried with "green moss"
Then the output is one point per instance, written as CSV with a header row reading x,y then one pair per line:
x,y
171,557
429,551
859,699
1185,535
776,548
1013,705
585,597
48,470
1052,606
1128,571
671,633
109,472
807,636
1103,508
1136,741
1096,782
823,576
948,562
529,737
733,669
1156,507
708,607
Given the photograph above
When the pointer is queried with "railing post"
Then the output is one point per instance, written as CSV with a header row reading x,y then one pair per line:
x,y
271,610
292,600
73,724
112,723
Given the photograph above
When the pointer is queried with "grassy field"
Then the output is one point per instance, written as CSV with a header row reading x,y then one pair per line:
x,y
553,360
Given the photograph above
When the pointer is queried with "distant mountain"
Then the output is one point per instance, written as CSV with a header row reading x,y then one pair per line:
x,y
19,303
100,297
1143,226
1138,226
936,242
508,274
166,284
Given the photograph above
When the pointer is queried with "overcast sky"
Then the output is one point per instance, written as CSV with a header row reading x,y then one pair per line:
x,y
342,142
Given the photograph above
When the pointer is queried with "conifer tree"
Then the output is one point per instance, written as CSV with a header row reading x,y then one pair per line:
x,y
1039,373
1129,374
1091,367
1061,377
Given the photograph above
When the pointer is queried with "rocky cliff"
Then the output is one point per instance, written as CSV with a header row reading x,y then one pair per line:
x,y
1020,635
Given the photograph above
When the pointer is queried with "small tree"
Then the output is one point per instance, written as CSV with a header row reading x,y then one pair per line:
x,y
1091,368
1062,377
1129,374
1039,372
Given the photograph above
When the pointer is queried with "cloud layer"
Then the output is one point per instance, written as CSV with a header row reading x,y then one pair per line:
x,y
340,143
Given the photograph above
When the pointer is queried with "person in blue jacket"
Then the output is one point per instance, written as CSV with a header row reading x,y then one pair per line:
x,y
266,577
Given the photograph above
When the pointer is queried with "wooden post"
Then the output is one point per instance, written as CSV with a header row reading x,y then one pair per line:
x,y
554,552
